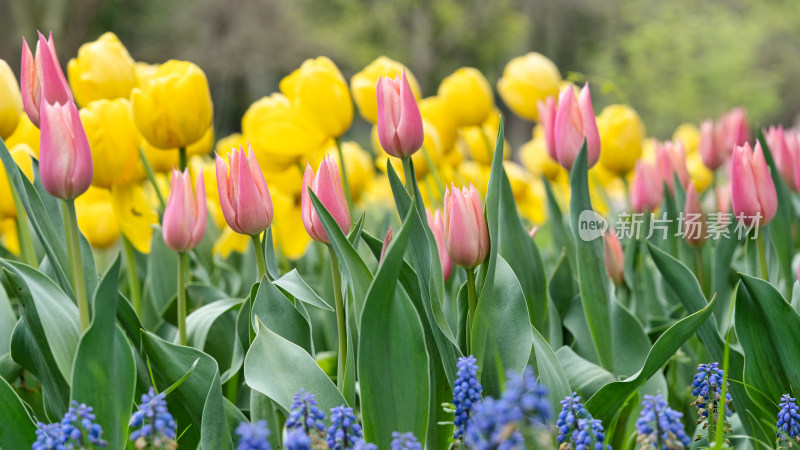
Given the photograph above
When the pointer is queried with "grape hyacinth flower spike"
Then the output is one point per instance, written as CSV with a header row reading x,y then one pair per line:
x,y
577,428
660,426
156,426
405,441
707,387
466,394
788,422
344,431
306,416
253,436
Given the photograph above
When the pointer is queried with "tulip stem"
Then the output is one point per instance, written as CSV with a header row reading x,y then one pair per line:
x,y
27,250
762,257
181,298
434,171
133,277
408,174
700,271
341,321
347,195
473,303
151,176
262,265
182,159
74,246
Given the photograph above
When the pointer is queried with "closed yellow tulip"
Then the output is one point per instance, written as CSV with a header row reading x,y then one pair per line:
x,y
174,108
528,192
22,156
320,93
472,172
103,69
114,140
467,96
230,241
534,157
279,135
527,79
10,101
162,160
144,72
478,142
96,218
363,85
701,175
231,141
9,237
134,214
291,238
26,133
621,133
434,110
689,134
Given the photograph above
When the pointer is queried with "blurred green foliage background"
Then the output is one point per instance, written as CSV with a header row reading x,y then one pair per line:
x,y
673,61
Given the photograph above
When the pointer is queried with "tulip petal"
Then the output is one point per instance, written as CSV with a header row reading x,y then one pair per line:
x,y
251,216
261,184
764,186
223,188
590,130
744,196
29,84
305,203
201,212
55,88
331,194
409,127
568,128
462,241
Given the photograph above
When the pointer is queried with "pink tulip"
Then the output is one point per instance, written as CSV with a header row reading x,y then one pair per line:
x,y
386,241
327,186
723,194
733,129
711,151
575,121
244,196
647,189
41,78
784,153
694,225
436,224
466,235
671,162
185,215
752,189
547,120
613,257
65,161
399,120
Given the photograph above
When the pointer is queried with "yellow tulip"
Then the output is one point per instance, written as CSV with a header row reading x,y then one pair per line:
x,y
26,133
472,172
528,192
689,134
9,237
10,101
478,142
526,80
701,175
291,238
164,160
280,136
621,134
467,96
231,141
114,140
363,85
144,72
174,108
230,241
96,218
534,156
434,110
432,145
103,69
360,167
22,156
134,215
379,193
320,93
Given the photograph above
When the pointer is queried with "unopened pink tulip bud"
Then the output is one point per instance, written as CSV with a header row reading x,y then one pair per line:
x,y
613,257
185,214
647,189
694,222
436,224
711,152
733,129
65,161
752,189
327,186
38,87
399,120
783,153
466,235
533,231
386,241
671,162
723,194
243,194
575,121
547,120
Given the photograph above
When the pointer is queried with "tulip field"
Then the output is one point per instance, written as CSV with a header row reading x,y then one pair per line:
x,y
428,286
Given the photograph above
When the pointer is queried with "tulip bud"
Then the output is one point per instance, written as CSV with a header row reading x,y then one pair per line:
x,y
437,228
671,162
37,86
243,194
783,153
467,96
647,189
65,161
185,215
399,121
614,258
621,134
466,235
752,189
526,81
386,241
694,224
11,105
733,130
327,186
575,121
103,70
710,148
174,108
362,85
114,141
689,135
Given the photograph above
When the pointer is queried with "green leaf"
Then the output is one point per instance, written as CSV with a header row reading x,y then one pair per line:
x,y
610,398
162,274
197,403
280,315
551,372
18,430
295,285
199,322
104,374
562,287
562,237
8,320
591,270
278,368
585,377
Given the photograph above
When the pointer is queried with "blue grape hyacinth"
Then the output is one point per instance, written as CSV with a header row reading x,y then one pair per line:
x,y
344,432
405,441
76,430
788,421
305,414
253,436
659,426
577,429
297,439
49,436
707,387
156,426
466,394
528,395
